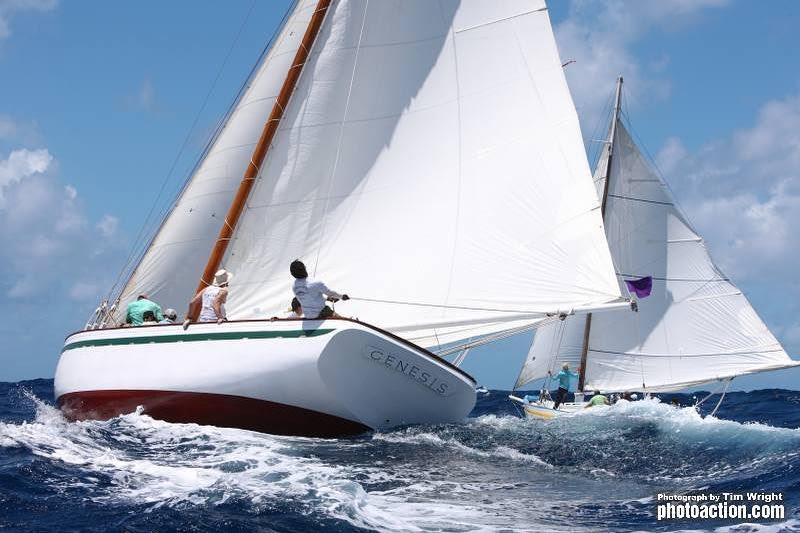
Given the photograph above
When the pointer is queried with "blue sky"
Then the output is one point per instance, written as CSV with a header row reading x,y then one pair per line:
x,y
98,99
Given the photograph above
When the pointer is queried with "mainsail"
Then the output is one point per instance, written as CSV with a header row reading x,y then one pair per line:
x,y
695,326
429,163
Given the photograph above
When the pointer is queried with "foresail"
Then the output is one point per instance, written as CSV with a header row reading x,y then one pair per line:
x,y
429,164
696,326
171,267
553,345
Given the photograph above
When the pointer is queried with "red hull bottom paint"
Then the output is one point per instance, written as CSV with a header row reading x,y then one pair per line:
x,y
209,410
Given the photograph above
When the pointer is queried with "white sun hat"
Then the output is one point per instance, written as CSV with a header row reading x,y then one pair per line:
x,y
222,277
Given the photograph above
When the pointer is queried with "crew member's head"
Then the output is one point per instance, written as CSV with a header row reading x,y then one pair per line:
x,y
298,269
222,278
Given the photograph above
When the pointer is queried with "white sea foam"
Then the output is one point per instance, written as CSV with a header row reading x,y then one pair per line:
x,y
481,476
781,527
157,463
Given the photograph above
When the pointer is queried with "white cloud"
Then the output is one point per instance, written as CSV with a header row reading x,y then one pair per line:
x,y
23,287
24,132
671,155
84,291
9,8
743,192
599,35
46,238
22,164
108,225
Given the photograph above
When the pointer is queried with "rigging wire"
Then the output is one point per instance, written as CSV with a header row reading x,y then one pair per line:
x,y
596,148
184,144
722,397
141,243
457,307
504,334
340,139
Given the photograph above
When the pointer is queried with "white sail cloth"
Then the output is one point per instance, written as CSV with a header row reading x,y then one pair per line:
x,y
170,269
562,342
695,326
553,345
429,164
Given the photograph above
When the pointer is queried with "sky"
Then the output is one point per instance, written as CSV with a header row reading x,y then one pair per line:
x,y
105,107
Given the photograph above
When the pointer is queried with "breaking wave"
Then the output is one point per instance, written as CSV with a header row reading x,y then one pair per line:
x,y
597,470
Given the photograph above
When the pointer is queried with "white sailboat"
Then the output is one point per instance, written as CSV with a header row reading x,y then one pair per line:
x,y
695,327
424,157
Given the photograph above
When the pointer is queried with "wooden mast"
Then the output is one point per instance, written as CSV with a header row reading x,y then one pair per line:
x,y
607,178
260,151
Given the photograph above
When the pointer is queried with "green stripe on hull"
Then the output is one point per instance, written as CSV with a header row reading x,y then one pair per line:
x,y
226,336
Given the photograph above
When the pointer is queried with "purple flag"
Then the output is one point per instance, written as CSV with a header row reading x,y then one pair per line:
x,y
640,287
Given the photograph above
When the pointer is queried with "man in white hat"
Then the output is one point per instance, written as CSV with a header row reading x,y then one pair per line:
x,y
211,300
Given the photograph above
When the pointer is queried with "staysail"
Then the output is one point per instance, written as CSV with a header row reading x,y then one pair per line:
x,y
170,268
430,164
695,326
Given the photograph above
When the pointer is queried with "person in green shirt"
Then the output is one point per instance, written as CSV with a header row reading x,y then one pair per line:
x,y
597,399
563,378
136,310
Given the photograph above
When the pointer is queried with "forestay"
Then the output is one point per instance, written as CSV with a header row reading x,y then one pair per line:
x,y
430,164
171,267
695,326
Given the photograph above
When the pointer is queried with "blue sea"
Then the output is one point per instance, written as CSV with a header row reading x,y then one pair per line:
x,y
597,471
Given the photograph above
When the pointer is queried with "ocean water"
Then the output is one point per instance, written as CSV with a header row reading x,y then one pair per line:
x,y
598,471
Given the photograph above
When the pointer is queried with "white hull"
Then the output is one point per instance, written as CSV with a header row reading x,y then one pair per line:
x,y
299,377
543,409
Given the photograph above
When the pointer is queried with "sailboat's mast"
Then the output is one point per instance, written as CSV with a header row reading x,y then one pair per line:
x,y
606,177
260,151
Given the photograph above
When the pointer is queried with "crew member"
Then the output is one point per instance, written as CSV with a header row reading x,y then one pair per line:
x,y
135,312
211,300
563,383
597,399
312,294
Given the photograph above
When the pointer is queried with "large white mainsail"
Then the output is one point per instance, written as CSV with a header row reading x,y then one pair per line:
x,y
171,266
695,326
449,194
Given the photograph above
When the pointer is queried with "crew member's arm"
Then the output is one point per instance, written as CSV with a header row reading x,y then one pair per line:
x,y
221,298
194,309
331,293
